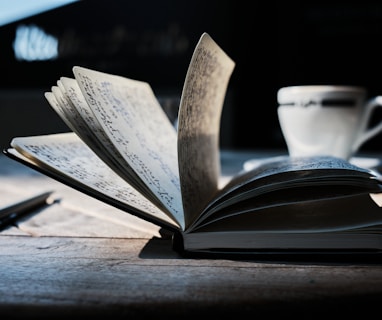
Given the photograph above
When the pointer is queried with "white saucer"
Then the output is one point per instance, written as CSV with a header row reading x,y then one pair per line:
x,y
363,162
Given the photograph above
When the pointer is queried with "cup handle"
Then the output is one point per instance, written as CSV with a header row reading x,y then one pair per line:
x,y
365,133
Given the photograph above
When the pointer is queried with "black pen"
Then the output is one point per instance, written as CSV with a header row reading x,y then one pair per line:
x,y
13,212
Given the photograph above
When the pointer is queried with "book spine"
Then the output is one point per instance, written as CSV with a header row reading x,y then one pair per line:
x,y
177,243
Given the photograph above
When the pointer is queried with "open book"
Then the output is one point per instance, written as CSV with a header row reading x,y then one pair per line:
x,y
124,151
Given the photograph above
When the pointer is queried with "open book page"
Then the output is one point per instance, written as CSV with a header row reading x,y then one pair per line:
x,y
202,101
275,166
60,102
57,106
85,124
66,154
270,184
136,124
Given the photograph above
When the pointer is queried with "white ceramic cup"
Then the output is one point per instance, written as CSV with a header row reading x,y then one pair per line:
x,y
326,119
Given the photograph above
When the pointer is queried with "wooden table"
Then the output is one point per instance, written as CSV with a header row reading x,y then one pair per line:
x,y
80,257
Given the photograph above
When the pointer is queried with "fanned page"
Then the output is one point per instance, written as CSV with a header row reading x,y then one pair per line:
x,y
68,157
201,105
137,126
69,103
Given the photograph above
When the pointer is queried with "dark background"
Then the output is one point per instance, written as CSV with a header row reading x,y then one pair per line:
x,y
273,45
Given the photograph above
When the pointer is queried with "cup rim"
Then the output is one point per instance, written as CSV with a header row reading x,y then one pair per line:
x,y
321,88
288,93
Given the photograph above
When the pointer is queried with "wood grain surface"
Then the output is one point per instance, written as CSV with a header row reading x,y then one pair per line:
x,y
79,258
